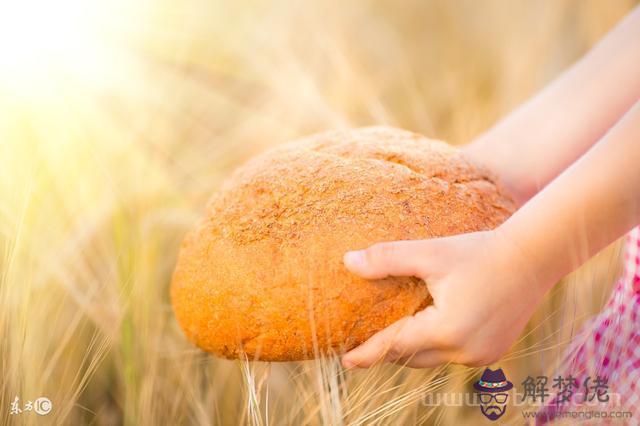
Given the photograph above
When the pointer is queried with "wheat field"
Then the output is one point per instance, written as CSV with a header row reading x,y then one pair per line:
x,y
109,153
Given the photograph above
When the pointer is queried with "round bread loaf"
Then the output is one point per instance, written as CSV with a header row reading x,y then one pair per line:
x,y
262,272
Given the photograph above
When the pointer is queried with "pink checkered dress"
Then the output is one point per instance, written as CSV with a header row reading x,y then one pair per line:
x,y
609,347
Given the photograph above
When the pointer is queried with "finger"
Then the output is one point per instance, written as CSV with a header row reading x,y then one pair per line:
x,y
379,346
425,359
398,258
401,339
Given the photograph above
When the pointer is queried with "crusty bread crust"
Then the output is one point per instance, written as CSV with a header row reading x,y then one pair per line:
x,y
262,272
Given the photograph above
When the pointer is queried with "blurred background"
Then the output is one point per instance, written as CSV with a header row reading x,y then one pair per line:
x,y
118,119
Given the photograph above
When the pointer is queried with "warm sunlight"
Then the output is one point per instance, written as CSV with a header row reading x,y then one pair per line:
x,y
188,189
43,43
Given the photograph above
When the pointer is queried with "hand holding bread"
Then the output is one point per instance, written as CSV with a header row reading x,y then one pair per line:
x,y
483,297
261,275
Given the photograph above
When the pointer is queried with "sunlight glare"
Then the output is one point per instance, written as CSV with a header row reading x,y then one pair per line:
x,y
44,42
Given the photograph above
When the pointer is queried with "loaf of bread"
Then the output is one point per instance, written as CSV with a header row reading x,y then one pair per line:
x,y
261,274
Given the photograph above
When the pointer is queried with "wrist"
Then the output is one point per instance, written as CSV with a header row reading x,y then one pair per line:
x,y
487,156
533,272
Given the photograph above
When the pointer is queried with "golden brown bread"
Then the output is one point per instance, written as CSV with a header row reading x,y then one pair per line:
x,y
262,272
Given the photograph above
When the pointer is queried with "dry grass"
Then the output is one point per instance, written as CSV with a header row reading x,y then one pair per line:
x,y
99,184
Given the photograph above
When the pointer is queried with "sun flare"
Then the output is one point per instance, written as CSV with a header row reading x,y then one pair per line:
x,y
45,43
118,120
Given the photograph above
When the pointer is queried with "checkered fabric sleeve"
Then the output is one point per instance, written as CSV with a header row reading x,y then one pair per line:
x,y
608,346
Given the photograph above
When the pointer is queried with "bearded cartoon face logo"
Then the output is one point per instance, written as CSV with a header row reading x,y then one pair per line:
x,y
493,389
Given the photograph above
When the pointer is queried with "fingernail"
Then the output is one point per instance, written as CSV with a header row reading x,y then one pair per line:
x,y
354,259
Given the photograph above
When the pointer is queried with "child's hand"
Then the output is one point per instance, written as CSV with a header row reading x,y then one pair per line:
x,y
485,286
483,298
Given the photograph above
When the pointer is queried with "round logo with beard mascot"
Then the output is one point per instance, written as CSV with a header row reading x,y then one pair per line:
x,y
493,389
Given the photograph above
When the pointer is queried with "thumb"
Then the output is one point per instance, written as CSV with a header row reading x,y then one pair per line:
x,y
398,258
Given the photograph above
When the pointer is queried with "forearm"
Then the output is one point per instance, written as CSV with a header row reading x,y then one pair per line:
x,y
532,145
587,207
